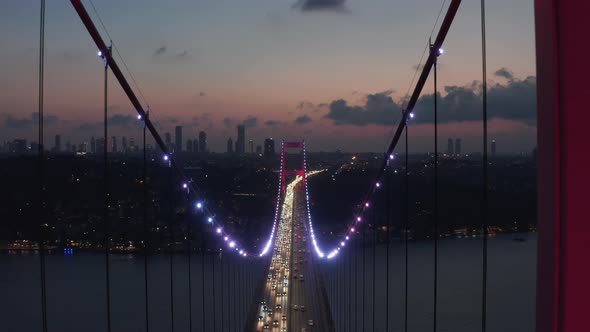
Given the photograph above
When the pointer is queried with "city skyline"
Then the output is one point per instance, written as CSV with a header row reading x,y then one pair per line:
x,y
284,83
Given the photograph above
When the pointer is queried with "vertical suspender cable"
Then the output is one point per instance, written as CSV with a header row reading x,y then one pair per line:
x,y
222,318
485,170
171,247
189,230
228,301
364,280
235,310
388,202
356,284
107,225
214,293
41,171
406,231
203,319
374,242
145,229
349,286
435,212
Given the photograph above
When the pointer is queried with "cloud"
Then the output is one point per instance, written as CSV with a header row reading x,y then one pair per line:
x,y
379,109
320,5
182,55
227,122
160,50
305,105
506,73
23,123
250,122
203,121
304,119
202,94
515,100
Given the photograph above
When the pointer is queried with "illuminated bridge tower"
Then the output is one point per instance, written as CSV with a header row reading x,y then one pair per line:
x,y
284,171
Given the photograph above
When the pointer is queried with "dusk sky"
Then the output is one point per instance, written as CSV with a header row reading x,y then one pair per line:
x,y
330,71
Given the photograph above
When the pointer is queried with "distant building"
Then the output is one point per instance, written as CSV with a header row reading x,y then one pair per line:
x,y
241,141
203,142
230,146
168,141
93,145
258,149
178,138
189,145
57,147
458,147
251,143
269,147
99,145
69,146
114,145
493,148
196,145
450,147
124,144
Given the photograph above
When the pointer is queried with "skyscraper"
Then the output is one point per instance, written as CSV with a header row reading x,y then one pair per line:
x,y
458,147
57,143
450,147
114,146
203,142
189,145
241,141
258,149
68,146
124,144
493,148
196,145
230,146
251,143
178,138
93,145
269,147
168,141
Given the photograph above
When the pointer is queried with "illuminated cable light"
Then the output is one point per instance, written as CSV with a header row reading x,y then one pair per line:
x,y
411,115
391,156
378,185
166,157
210,220
347,238
358,219
218,230
138,116
342,244
367,204
199,205
184,185
226,238
232,244
441,51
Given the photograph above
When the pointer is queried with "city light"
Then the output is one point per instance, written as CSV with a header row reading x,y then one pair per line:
x,y
184,185
166,157
367,204
232,244
377,184
199,205
391,156
358,219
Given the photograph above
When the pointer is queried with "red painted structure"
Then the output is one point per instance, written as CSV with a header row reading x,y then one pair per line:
x,y
563,91
284,171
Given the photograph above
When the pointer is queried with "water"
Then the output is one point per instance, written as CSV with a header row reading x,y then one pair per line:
x,y
511,286
76,293
76,290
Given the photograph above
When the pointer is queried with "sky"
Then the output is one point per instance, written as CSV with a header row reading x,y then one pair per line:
x,y
332,72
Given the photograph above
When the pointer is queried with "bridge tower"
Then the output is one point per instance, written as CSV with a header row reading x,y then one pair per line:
x,y
286,172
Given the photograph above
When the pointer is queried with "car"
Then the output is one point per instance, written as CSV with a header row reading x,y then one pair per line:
x,y
260,318
284,329
295,307
275,323
266,326
279,307
302,308
310,322
284,317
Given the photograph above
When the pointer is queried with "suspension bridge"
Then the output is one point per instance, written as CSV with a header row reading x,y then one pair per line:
x,y
294,283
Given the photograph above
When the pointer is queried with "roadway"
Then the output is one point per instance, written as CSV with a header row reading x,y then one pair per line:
x,y
293,297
